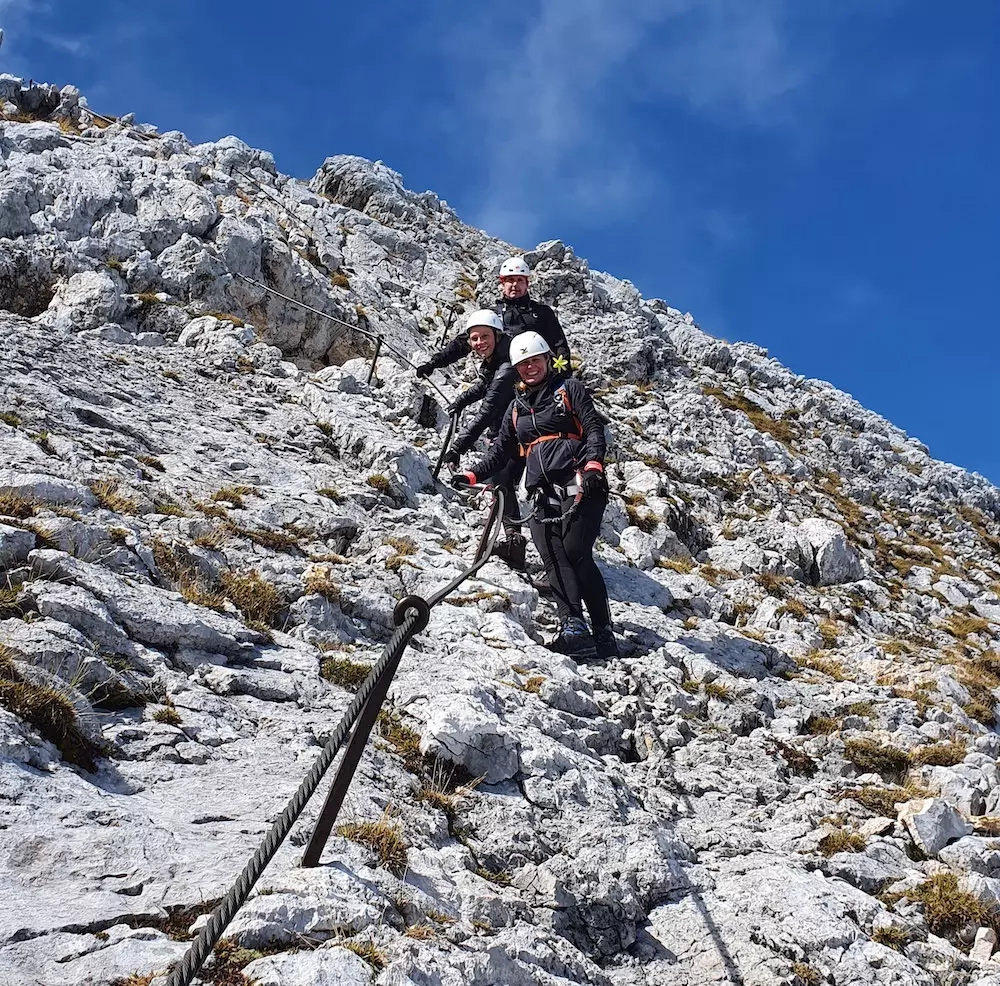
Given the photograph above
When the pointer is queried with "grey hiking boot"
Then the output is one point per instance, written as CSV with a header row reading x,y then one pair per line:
x,y
573,639
605,643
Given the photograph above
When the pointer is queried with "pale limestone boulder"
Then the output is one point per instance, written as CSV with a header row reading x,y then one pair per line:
x,y
15,544
835,560
210,334
87,300
933,823
464,731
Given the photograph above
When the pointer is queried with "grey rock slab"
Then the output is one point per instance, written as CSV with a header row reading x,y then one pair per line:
x,y
464,730
323,967
149,614
933,823
284,917
15,544
45,488
82,959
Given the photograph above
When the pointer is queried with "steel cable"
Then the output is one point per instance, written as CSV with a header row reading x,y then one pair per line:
x,y
200,949
413,612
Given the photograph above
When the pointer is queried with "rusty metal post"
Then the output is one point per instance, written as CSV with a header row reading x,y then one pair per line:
x,y
378,349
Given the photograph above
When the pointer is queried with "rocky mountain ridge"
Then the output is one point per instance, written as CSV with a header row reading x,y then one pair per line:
x,y
208,513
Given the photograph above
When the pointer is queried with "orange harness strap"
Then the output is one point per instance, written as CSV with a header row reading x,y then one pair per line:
x,y
526,449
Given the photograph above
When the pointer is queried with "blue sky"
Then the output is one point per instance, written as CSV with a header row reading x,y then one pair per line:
x,y
817,177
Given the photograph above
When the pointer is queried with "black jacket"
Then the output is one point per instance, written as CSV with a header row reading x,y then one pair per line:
x,y
524,314
519,315
541,412
496,393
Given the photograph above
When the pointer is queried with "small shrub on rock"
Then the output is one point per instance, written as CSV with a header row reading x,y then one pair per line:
x,y
882,758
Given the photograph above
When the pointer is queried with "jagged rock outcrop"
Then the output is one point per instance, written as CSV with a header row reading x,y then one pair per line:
x,y
208,513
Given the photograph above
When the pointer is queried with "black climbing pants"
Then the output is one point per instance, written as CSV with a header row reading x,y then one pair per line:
x,y
567,551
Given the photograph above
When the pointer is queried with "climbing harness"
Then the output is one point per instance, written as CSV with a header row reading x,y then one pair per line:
x,y
541,498
411,616
559,392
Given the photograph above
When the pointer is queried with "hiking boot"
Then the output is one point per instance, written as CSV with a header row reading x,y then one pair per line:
x,y
573,639
605,643
541,582
512,552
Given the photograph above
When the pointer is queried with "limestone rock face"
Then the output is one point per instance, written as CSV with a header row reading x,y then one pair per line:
x,y
211,504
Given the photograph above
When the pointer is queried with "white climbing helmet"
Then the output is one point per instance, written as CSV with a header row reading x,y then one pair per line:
x,y
514,267
484,317
526,345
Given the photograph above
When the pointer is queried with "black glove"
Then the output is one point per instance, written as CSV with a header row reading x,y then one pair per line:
x,y
424,370
452,457
455,407
463,480
593,483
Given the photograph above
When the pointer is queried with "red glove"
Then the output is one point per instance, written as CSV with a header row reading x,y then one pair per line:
x,y
463,480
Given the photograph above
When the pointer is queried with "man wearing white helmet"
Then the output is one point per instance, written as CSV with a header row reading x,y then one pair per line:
x,y
554,428
521,313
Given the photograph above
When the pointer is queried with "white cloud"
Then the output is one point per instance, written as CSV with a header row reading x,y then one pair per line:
x,y
560,96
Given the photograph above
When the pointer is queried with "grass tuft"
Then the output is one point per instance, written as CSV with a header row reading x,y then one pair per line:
x,y
107,493
318,582
821,725
818,661
947,908
841,841
233,495
13,504
344,672
806,974
718,691
882,758
892,937
48,711
383,839
258,600
940,754
680,565
168,715
961,626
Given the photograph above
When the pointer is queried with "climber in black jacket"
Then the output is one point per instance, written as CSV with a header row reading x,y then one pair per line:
x,y
553,426
494,390
520,313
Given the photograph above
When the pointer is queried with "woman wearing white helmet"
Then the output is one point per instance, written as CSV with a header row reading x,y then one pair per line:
x,y
522,313
553,427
